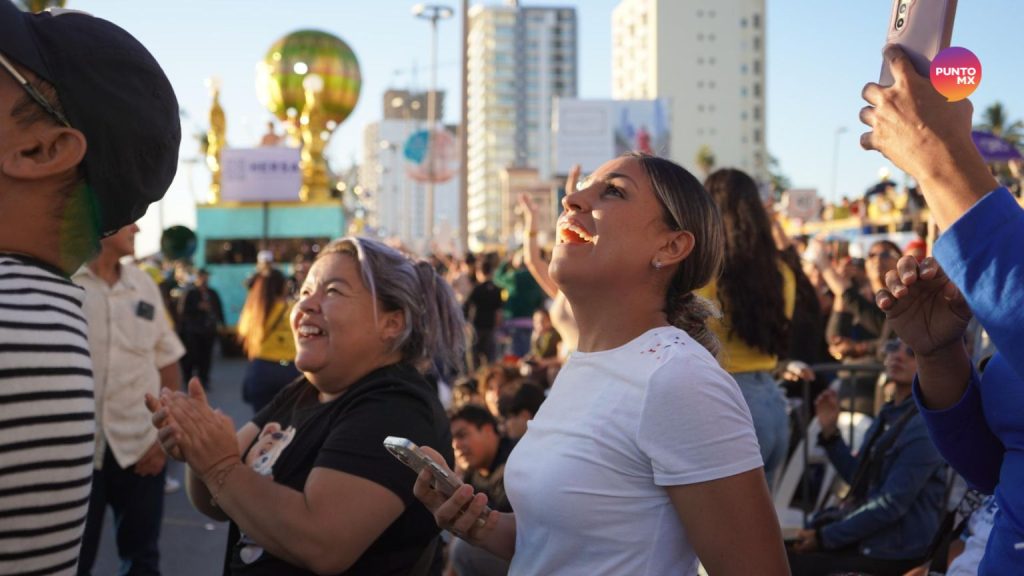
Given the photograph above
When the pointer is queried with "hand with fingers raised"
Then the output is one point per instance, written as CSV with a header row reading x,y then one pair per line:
x,y
923,306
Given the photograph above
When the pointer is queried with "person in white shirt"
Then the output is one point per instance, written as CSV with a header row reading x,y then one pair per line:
x,y
643,458
135,351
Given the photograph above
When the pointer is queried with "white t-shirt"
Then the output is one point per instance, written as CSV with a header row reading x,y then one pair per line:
x,y
587,480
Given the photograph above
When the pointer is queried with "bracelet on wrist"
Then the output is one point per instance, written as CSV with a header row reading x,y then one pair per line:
x,y
217,479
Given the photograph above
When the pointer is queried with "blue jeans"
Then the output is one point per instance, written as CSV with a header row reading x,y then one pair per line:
x,y
264,379
771,423
138,504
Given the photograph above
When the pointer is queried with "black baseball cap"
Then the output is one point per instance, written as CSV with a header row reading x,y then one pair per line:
x,y
114,92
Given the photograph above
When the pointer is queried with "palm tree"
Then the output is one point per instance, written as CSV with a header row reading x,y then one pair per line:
x,y
996,120
705,159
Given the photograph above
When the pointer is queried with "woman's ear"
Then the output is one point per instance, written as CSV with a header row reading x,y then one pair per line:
x,y
44,153
676,249
391,324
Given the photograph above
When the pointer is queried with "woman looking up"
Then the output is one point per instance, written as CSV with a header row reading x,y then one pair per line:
x,y
643,456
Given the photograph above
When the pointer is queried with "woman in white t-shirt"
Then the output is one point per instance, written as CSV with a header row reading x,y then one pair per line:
x,y
644,456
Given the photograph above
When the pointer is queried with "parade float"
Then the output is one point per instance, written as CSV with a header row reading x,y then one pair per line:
x,y
280,198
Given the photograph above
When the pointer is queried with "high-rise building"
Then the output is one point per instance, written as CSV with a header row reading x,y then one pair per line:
x,y
396,204
519,58
707,57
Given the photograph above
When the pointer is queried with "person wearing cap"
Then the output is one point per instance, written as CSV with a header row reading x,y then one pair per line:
x,y
89,137
135,352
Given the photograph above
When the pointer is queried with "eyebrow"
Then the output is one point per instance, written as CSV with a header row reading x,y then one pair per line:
x,y
337,279
613,175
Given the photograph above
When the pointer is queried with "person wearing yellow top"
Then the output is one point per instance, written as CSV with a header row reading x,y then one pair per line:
x,y
266,335
756,293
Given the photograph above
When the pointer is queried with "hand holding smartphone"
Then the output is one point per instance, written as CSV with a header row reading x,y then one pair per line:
x,y
408,453
922,28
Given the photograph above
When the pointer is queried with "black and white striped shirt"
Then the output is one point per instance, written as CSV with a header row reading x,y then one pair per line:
x,y
47,419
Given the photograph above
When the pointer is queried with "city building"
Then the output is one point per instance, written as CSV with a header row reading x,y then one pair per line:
x,y
707,57
395,203
520,58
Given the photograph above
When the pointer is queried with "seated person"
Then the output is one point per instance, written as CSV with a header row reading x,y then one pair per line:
x,y
543,361
897,482
480,452
519,405
492,380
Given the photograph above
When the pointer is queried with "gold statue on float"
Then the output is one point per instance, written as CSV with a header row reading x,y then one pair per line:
x,y
314,132
216,140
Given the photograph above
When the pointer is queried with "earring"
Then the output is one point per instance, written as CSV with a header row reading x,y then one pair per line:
x,y
657,264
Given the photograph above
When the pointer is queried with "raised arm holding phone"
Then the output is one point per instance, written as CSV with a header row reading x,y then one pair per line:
x,y
975,422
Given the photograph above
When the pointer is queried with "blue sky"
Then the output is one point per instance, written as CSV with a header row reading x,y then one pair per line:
x,y
820,54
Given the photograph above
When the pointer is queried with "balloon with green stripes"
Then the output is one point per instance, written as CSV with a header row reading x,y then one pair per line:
x,y
292,58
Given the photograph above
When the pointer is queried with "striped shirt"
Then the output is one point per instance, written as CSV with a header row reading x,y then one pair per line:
x,y
47,419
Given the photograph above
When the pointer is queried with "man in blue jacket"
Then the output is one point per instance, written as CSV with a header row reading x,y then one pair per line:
x,y
897,483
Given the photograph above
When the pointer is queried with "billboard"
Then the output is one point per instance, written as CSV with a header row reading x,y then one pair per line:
x,y
591,132
268,174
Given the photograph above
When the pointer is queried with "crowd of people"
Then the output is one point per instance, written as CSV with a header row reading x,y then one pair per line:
x,y
623,402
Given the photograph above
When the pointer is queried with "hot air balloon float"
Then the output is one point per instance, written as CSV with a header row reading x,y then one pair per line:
x,y
278,198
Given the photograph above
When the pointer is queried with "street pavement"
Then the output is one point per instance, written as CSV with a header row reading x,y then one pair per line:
x,y
190,543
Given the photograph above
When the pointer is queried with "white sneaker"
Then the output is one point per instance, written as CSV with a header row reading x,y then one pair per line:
x,y
171,485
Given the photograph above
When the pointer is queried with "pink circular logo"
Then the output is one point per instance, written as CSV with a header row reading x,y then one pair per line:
x,y
956,73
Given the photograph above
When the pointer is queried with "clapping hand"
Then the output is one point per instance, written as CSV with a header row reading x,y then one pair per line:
x,y
191,430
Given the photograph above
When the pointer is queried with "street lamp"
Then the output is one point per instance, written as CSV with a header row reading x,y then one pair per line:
x,y
835,163
433,13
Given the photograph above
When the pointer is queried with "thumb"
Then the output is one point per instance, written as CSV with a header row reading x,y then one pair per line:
x,y
152,404
195,390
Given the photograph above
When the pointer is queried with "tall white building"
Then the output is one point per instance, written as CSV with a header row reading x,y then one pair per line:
x,y
396,203
519,59
708,58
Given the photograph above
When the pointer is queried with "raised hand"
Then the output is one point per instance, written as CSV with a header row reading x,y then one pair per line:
x,y
826,409
923,306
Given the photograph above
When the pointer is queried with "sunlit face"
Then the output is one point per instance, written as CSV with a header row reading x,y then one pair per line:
x,y
610,230
881,259
122,242
900,363
515,424
338,339
541,322
474,447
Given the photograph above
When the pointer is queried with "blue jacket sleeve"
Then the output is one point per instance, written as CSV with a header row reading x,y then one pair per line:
x,y
842,460
912,466
963,437
981,253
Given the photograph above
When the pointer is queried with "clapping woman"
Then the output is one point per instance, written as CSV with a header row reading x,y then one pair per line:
x,y
307,485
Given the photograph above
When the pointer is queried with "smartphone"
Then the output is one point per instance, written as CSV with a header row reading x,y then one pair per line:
x,y
922,28
410,454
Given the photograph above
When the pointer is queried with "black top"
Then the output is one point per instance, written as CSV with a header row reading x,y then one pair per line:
x,y
200,311
482,305
347,434
493,484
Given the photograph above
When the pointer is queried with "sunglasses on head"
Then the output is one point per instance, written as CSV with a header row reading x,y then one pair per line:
x,y
33,92
893,346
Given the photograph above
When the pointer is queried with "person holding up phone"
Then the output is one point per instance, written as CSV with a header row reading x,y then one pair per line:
x,y
983,227
643,456
307,485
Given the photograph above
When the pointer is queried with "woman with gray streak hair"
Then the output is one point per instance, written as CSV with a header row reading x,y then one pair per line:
x,y
307,484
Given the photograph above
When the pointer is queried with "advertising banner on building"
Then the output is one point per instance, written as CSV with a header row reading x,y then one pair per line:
x,y
591,132
268,174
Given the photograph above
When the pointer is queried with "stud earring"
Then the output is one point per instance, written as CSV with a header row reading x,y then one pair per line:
x,y
657,264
